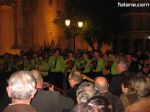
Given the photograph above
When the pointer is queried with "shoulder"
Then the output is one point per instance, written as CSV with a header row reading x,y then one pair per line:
x,y
113,97
19,108
140,106
46,93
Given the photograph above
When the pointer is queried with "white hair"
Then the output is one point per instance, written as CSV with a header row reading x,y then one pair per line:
x,y
21,85
85,91
123,64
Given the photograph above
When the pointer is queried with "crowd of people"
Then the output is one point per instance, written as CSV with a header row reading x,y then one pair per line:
x,y
90,81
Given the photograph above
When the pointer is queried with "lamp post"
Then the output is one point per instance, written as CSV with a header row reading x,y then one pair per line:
x,y
79,24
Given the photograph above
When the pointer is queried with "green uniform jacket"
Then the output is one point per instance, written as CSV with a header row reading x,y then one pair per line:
x,y
56,64
44,68
100,65
87,66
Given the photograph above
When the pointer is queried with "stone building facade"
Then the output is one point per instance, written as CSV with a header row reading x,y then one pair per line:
x,y
28,24
136,27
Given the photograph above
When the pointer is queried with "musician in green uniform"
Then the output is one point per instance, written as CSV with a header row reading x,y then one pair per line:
x,y
57,68
97,65
85,63
114,66
56,62
70,62
34,61
43,67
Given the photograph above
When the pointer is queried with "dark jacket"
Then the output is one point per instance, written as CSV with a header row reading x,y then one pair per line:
x,y
71,93
115,101
51,101
116,82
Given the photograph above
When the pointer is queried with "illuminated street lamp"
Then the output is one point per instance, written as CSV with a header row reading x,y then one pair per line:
x,y
79,24
67,22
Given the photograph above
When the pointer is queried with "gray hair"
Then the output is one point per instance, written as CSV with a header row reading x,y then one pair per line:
x,y
76,76
140,85
85,91
124,64
21,85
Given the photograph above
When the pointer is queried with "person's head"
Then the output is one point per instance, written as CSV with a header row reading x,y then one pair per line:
x,y
38,77
122,66
95,104
85,55
85,91
129,58
70,54
21,86
57,52
140,85
101,84
75,78
96,54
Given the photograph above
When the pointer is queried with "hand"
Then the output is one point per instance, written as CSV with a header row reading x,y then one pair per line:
x,y
51,88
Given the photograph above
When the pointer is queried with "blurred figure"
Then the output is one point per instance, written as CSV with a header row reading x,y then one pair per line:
x,y
146,67
102,85
133,63
48,101
21,89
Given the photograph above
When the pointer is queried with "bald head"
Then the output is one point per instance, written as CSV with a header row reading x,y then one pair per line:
x,y
102,84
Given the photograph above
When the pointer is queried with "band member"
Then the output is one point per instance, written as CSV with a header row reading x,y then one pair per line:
x,y
97,64
43,67
57,68
34,61
70,62
108,62
56,62
85,63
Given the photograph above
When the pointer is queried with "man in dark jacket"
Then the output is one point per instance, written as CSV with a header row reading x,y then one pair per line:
x,y
102,85
75,78
115,85
49,101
